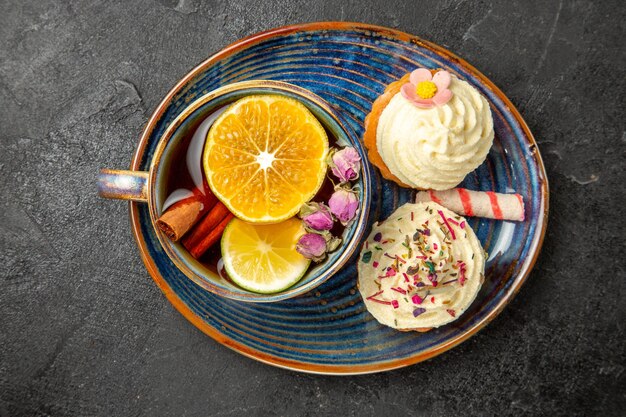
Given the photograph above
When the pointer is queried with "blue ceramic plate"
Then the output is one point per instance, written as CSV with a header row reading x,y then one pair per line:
x,y
329,330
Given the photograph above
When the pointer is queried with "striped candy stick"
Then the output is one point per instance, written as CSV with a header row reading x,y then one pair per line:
x,y
477,203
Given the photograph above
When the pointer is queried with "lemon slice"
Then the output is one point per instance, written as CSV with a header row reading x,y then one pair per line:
x,y
264,157
263,258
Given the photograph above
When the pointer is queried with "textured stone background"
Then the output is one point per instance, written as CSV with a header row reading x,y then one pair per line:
x,y
85,332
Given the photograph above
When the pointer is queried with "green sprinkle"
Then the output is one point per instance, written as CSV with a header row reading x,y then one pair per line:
x,y
407,244
367,256
378,248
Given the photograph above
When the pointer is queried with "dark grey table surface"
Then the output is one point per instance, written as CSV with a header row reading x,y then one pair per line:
x,y
85,332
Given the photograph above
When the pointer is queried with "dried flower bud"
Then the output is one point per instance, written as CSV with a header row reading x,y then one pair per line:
x,y
345,164
317,216
344,205
332,243
312,246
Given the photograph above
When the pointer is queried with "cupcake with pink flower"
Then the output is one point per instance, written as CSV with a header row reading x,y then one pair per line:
x,y
429,130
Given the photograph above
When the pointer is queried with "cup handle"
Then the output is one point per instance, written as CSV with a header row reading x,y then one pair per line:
x,y
123,185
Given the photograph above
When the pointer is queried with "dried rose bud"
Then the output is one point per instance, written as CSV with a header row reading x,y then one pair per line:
x,y
332,243
344,205
312,246
345,164
317,216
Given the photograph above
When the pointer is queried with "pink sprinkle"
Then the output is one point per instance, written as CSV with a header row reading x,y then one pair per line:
x,y
462,225
462,277
417,299
421,257
435,246
371,298
374,295
379,301
400,290
391,272
447,224
395,304
451,312
375,264
454,222
432,300
406,278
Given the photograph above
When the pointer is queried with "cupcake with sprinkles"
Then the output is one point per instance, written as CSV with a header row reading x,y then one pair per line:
x,y
421,268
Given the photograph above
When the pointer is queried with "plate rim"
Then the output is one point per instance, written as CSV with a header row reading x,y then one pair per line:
x,y
329,369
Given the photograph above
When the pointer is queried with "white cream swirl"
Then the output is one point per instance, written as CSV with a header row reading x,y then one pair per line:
x,y
417,271
436,148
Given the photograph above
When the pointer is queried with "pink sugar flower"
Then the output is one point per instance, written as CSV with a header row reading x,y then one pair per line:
x,y
425,90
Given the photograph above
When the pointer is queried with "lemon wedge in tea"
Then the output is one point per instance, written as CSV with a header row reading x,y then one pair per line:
x,y
264,157
263,258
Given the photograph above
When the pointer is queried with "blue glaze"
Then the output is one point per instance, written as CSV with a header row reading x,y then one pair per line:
x,y
328,329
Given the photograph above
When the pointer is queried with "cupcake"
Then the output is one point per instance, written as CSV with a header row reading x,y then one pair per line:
x,y
420,268
428,130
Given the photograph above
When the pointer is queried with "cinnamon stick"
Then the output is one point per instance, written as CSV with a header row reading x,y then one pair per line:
x,y
180,217
201,246
204,227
